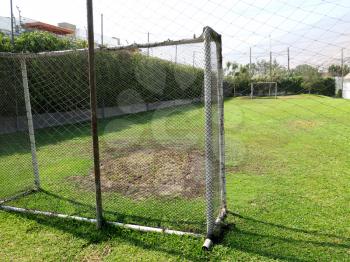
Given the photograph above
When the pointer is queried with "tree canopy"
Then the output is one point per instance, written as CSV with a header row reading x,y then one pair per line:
x,y
336,70
39,41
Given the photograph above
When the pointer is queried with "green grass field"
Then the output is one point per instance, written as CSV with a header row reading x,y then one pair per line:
x,y
287,185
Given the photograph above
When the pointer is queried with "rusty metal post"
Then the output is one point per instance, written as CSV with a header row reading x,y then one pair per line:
x,y
220,93
93,105
30,123
209,183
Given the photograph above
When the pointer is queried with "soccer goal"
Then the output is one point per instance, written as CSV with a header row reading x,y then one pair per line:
x,y
263,89
160,128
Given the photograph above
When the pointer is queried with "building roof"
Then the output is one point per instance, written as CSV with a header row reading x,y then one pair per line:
x,y
49,28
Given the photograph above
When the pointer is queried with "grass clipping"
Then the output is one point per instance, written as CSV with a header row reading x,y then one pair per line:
x,y
144,173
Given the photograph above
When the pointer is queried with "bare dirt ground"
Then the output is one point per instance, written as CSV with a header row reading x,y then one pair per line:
x,y
142,173
303,124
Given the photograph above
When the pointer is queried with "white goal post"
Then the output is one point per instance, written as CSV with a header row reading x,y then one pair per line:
x,y
263,89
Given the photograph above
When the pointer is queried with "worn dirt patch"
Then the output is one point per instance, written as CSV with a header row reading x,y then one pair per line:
x,y
303,124
152,172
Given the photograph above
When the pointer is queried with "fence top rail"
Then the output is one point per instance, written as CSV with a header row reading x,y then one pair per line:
x,y
264,82
215,37
40,54
157,44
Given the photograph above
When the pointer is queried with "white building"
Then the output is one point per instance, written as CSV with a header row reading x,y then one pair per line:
x,y
346,87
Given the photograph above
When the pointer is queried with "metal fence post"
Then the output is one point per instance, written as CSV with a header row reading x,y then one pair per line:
x,y
220,93
93,106
276,90
30,122
251,90
208,134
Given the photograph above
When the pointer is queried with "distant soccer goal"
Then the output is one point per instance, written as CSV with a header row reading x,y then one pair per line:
x,y
263,89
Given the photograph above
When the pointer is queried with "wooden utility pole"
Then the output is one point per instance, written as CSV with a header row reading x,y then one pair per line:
x,y
270,66
193,58
148,43
270,46
250,62
270,73
101,30
175,54
12,30
93,108
19,16
288,59
342,68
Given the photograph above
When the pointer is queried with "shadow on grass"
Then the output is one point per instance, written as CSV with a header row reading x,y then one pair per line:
x,y
18,143
280,242
311,232
245,238
170,244
120,217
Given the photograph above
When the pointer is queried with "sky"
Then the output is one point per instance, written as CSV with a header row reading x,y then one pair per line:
x,y
314,30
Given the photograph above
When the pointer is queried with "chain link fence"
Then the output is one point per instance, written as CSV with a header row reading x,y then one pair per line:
x,y
160,119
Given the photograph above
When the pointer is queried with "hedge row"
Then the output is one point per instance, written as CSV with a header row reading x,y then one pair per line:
x,y
60,84
288,85
38,41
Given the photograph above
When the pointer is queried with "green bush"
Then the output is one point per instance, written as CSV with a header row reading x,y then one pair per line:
x,y
239,84
290,85
5,43
39,41
10,88
324,86
60,84
152,79
339,93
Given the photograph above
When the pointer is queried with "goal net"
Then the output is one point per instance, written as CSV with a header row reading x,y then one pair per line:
x,y
160,118
263,89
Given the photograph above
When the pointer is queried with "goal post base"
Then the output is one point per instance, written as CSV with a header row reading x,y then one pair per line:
x,y
218,227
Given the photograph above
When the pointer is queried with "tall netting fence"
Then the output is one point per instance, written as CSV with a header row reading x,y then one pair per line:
x,y
16,173
45,135
159,109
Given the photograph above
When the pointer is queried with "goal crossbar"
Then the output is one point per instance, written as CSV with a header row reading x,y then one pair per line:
x,y
263,83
